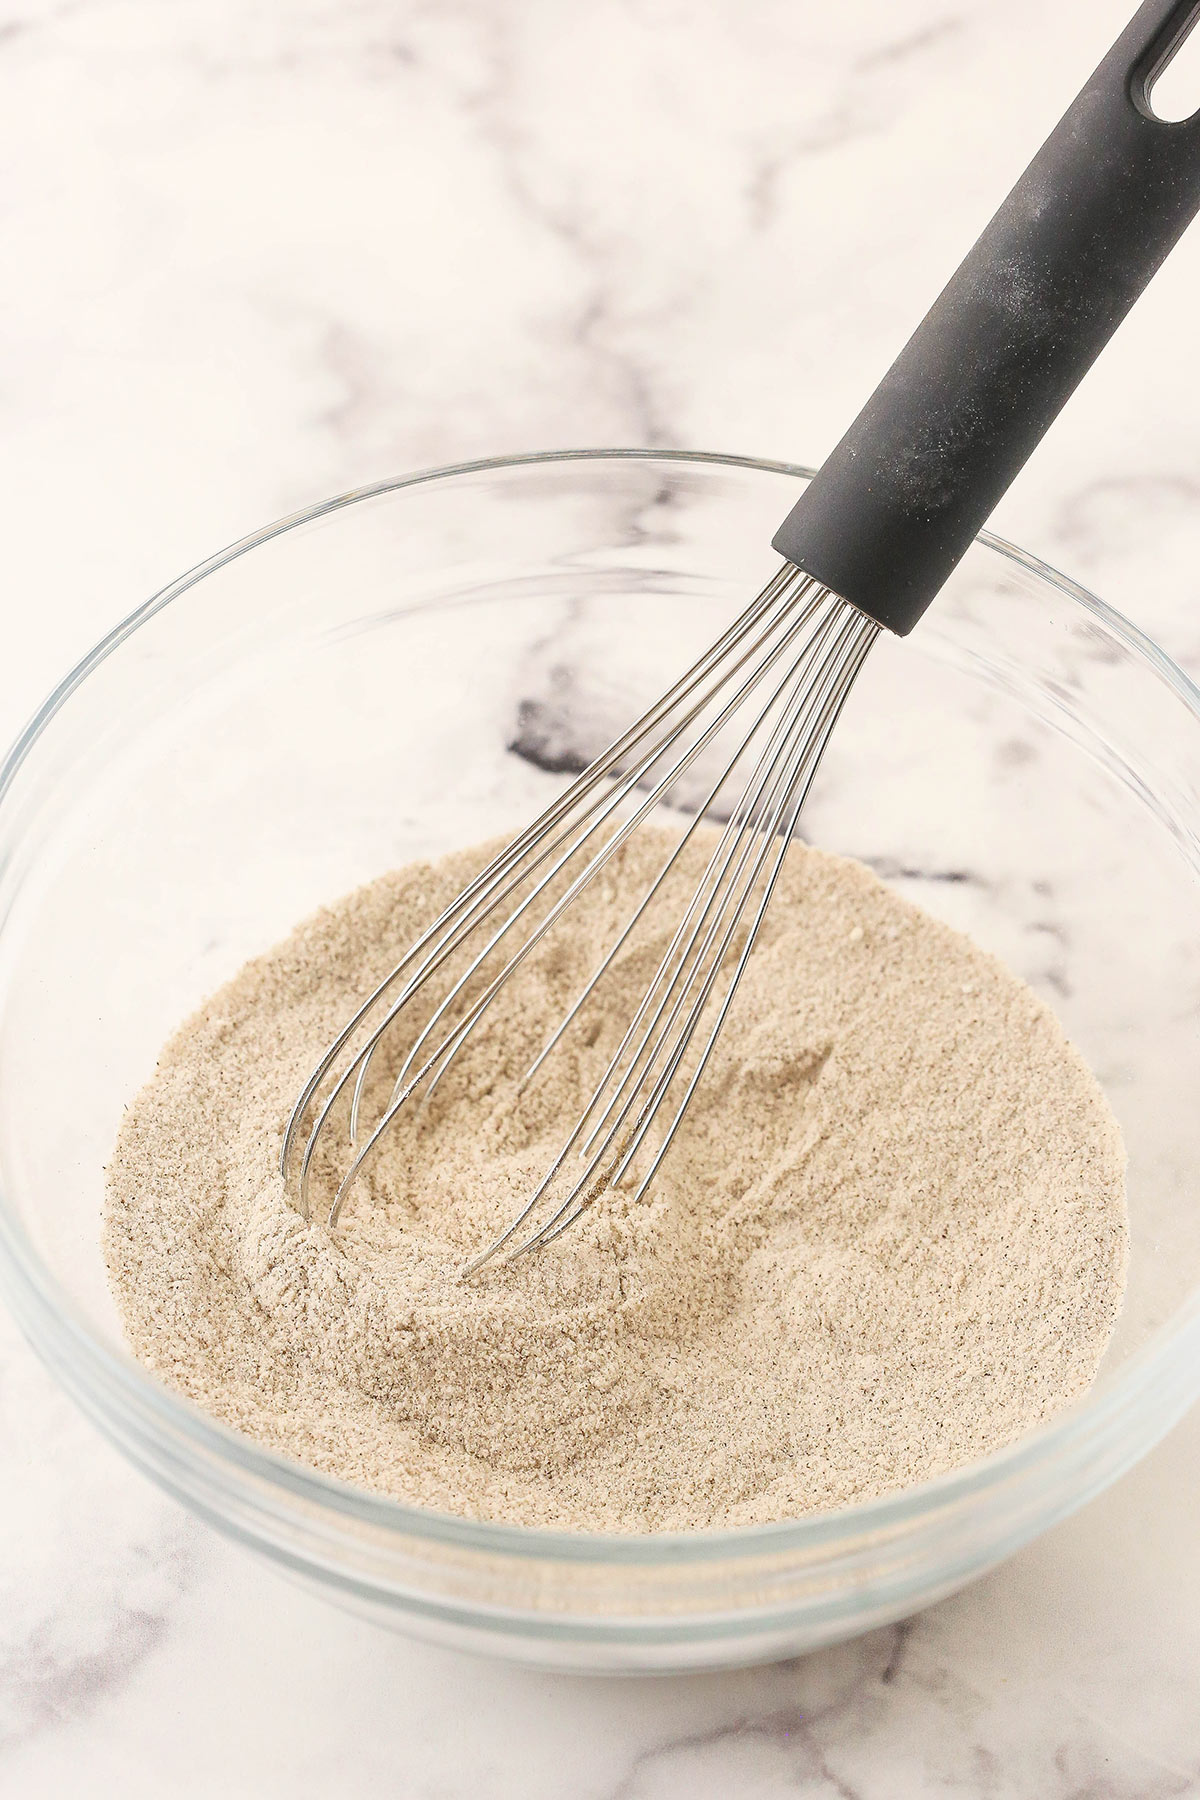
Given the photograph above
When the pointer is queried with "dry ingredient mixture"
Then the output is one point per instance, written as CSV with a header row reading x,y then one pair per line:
x,y
890,1238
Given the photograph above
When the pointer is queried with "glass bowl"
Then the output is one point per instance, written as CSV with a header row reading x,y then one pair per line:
x,y
410,668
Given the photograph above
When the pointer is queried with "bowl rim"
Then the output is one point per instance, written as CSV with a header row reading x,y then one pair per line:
x,y
22,1268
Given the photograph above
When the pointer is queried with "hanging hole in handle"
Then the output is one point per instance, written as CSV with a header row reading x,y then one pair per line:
x,y
1173,85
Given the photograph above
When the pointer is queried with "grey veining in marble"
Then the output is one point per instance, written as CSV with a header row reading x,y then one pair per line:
x,y
260,250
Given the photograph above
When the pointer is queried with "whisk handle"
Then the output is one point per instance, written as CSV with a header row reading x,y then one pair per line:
x,y
969,397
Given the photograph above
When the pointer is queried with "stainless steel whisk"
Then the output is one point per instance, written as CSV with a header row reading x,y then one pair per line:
x,y
867,547
773,684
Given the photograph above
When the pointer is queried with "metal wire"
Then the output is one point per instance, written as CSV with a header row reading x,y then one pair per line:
x,y
773,686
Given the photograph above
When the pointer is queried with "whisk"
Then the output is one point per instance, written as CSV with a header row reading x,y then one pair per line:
x,y
739,737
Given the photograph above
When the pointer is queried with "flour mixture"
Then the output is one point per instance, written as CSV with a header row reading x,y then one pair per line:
x,y
890,1237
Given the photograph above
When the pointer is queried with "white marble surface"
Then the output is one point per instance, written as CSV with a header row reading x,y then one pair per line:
x,y
259,250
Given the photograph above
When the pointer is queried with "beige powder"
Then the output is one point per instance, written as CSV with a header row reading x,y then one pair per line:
x,y
890,1237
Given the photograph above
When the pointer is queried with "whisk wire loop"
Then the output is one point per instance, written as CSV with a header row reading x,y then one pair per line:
x,y
505,875
773,685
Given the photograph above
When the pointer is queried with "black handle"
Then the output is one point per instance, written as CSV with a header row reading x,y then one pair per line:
x,y
963,406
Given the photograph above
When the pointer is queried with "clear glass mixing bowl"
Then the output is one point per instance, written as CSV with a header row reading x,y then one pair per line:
x,y
410,668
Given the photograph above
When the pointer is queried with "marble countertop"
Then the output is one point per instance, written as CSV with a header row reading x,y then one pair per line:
x,y
261,250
